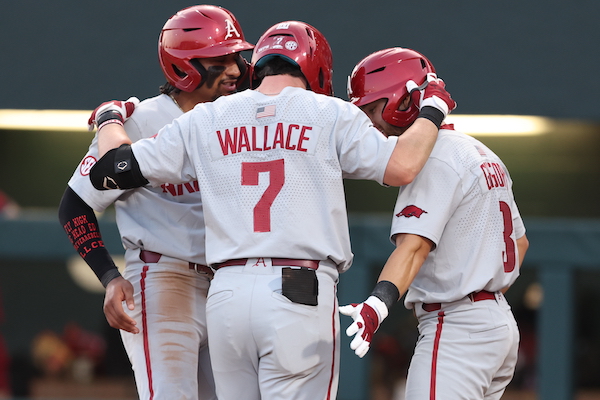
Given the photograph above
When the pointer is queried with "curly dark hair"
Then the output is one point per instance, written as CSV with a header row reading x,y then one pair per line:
x,y
168,89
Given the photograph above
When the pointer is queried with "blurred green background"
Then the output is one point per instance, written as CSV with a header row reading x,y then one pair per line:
x,y
555,174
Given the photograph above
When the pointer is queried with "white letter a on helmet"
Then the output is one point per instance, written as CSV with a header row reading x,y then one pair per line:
x,y
231,31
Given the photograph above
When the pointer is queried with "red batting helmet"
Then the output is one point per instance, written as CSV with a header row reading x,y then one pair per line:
x,y
303,45
383,75
197,32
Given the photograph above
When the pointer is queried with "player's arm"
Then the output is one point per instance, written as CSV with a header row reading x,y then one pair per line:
x,y
81,226
399,271
415,145
117,167
111,114
110,137
522,246
411,153
405,262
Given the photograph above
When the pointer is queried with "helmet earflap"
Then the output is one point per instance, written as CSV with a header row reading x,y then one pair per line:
x,y
383,75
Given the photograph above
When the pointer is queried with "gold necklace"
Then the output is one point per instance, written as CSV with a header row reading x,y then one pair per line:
x,y
175,101
270,94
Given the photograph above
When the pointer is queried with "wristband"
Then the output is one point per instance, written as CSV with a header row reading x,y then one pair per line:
x,y
387,292
109,276
110,121
432,114
110,114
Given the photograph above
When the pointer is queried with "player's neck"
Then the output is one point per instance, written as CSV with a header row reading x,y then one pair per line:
x,y
273,84
188,100
185,103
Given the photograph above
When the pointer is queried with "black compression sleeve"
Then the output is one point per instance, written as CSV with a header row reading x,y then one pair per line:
x,y
81,226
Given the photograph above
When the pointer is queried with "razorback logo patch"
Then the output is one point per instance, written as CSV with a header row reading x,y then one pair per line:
x,y
411,211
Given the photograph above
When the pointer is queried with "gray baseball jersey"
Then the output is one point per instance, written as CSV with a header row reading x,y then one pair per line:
x,y
270,171
270,166
463,202
170,354
166,219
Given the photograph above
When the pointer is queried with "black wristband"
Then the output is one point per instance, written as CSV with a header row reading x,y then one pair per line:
x,y
432,114
109,276
108,115
387,292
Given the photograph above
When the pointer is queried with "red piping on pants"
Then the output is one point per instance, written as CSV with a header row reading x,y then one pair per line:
x,y
145,332
333,347
436,345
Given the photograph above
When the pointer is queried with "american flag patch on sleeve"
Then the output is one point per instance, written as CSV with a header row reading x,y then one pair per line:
x,y
266,111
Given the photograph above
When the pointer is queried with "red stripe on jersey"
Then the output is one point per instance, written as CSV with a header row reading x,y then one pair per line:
x,y
436,346
145,333
334,335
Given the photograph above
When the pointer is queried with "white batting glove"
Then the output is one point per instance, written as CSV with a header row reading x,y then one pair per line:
x,y
411,85
124,109
433,93
367,319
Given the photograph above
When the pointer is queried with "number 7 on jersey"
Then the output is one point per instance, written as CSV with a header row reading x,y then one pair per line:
x,y
250,175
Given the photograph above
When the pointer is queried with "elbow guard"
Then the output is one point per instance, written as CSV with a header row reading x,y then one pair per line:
x,y
117,169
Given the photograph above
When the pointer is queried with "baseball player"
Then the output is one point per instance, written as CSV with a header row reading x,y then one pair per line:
x,y
459,244
270,163
166,279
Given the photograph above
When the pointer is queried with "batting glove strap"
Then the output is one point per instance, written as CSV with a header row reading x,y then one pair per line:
x,y
379,306
123,108
110,114
387,292
433,114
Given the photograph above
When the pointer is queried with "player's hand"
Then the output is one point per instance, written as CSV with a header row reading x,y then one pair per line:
x,y
432,93
367,318
124,108
119,290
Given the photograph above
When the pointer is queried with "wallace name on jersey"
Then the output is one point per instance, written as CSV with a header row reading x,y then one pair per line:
x,y
284,136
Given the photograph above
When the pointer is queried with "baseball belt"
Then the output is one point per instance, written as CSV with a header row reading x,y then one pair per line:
x,y
474,296
152,257
276,262
299,285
